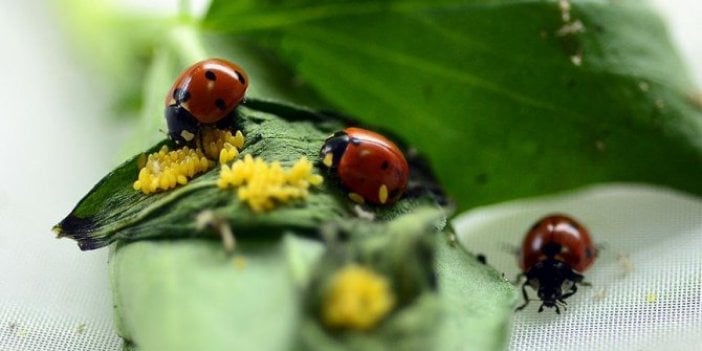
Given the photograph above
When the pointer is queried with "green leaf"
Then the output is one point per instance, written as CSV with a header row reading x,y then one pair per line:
x,y
506,98
476,300
189,295
113,210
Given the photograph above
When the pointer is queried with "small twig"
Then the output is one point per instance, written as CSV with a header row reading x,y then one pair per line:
x,y
208,219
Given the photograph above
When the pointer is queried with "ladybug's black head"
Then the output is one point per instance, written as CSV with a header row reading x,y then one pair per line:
x,y
334,148
554,295
549,295
554,281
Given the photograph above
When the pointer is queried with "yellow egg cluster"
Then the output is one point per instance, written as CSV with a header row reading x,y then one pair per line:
x,y
166,169
357,298
221,144
263,185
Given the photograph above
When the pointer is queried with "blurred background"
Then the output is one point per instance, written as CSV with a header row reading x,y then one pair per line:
x,y
57,139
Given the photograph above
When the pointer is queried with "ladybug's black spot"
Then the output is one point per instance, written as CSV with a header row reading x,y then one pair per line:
x,y
241,78
220,104
181,95
384,165
210,75
355,141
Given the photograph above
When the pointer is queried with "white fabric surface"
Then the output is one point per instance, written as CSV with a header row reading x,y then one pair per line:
x,y
57,140
646,289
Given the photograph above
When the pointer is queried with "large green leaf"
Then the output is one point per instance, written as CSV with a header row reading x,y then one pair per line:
x,y
189,295
507,98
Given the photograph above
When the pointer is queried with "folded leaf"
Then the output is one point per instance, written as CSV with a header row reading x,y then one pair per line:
x,y
113,210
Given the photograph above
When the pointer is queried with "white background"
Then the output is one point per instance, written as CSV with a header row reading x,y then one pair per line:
x,y
56,143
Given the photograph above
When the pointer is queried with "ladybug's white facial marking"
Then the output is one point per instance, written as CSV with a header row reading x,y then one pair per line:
x,y
383,194
187,136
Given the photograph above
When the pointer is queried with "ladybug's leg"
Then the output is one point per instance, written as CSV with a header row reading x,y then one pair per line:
x,y
573,290
580,279
518,278
526,298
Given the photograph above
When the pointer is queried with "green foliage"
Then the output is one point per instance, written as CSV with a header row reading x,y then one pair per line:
x,y
506,98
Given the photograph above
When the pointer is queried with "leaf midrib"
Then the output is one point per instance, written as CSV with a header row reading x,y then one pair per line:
x,y
276,19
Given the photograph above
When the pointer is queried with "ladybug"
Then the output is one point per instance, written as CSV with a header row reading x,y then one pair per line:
x,y
204,94
371,167
554,253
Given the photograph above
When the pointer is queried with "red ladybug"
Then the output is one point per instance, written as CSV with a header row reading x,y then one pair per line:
x,y
203,94
371,167
555,251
